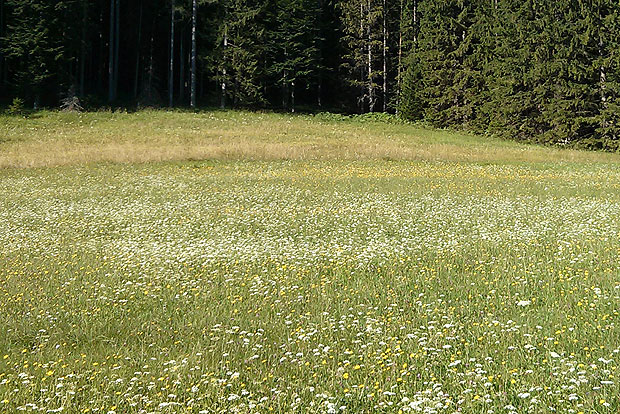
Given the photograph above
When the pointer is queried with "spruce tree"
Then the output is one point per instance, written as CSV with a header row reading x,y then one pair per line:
x,y
239,51
408,78
607,65
294,58
449,69
37,49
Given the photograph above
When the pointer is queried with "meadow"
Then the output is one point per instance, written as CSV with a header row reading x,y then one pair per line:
x,y
167,262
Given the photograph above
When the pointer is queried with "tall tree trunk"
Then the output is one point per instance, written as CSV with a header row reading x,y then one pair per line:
x,y
285,84
111,58
285,91
193,70
83,48
138,47
602,76
100,75
415,22
1,50
151,65
319,82
171,67
223,83
603,86
385,35
362,98
181,69
116,45
400,58
293,96
371,87
2,61
202,85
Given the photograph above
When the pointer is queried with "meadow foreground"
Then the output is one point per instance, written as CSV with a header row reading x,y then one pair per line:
x,y
312,284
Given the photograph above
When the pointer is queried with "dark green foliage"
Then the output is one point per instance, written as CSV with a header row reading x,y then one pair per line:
x,y
532,70
607,133
16,107
447,62
239,50
293,54
35,46
411,105
526,69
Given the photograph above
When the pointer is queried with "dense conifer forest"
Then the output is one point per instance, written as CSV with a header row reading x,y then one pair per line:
x,y
535,70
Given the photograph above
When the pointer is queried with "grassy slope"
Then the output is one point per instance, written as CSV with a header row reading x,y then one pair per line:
x,y
334,280
53,138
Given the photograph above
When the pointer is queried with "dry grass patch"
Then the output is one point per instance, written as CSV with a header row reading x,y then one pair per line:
x,y
52,139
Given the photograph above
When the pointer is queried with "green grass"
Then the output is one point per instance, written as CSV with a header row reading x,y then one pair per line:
x,y
323,283
56,138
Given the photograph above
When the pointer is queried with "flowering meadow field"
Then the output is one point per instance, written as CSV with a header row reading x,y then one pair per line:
x,y
311,286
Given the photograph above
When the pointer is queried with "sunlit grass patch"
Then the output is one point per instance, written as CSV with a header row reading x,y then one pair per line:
x,y
56,138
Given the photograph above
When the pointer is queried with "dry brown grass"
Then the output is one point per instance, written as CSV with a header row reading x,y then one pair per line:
x,y
53,139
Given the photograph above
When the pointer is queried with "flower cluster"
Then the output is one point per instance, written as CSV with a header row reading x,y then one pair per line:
x,y
318,287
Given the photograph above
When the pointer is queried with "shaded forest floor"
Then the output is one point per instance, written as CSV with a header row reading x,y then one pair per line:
x,y
57,138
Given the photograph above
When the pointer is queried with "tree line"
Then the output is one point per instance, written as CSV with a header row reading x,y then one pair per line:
x,y
540,70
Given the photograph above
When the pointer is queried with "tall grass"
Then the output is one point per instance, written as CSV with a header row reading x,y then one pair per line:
x,y
56,138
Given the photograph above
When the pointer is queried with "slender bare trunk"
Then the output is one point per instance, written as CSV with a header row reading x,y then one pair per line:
x,y
293,96
137,71
602,79
171,67
415,22
385,35
603,86
400,58
116,45
371,87
202,85
111,58
285,90
223,85
362,98
320,77
181,70
101,64
602,74
193,70
2,64
151,66
285,84
83,48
